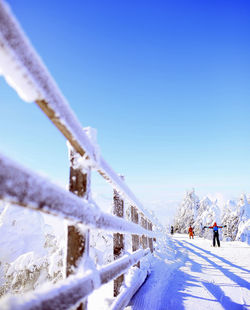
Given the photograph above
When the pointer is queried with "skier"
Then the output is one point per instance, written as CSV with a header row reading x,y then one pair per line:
x,y
215,228
172,230
191,232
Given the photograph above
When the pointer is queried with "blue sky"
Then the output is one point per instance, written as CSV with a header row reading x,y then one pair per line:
x,y
165,83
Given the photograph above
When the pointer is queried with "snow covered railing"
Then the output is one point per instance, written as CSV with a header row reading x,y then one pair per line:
x,y
25,72
129,290
28,189
72,291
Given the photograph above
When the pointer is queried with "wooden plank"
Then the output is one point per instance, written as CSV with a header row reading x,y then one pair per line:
x,y
124,298
135,219
143,239
51,100
52,115
120,265
150,240
28,189
118,239
78,243
68,293
135,238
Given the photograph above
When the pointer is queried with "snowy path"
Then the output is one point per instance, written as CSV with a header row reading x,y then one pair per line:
x,y
199,277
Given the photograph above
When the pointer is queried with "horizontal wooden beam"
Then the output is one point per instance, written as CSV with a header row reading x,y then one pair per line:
x,y
40,87
28,189
129,290
72,291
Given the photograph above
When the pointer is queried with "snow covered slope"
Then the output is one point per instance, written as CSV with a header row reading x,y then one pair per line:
x,y
199,277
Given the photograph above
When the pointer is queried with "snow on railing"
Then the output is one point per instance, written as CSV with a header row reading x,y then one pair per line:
x,y
23,187
70,292
128,292
25,72
32,81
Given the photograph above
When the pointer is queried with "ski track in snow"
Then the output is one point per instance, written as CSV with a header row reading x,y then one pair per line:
x,y
201,277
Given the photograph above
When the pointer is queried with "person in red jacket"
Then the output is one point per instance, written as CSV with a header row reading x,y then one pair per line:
x,y
215,228
191,232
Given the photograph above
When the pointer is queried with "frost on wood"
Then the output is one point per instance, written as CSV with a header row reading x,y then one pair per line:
x,y
118,267
21,186
11,66
59,296
71,291
119,242
23,68
27,74
122,189
84,163
26,188
134,279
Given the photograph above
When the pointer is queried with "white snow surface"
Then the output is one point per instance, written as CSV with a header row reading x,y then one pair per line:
x,y
17,225
197,276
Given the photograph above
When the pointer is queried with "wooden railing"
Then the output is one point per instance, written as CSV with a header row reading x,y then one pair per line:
x,y
24,71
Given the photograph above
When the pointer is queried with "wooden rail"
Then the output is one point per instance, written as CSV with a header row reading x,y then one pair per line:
x,y
28,189
32,81
70,292
49,98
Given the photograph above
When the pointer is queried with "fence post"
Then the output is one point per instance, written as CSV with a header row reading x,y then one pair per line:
x,y
135,238
150,240
78,243
146,237
143,223
118,239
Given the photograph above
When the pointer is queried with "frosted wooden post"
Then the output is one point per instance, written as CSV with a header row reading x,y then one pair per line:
x,y
118,239
150,240
143,223
135,238
78,244
146,237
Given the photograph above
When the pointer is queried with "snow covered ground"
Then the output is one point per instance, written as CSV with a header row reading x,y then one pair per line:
x,y
197,276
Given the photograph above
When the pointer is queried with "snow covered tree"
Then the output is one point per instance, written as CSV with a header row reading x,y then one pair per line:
x,y
205,212
209,216
243,232
187,212
230,217
101,247
203,217
237,219
30,252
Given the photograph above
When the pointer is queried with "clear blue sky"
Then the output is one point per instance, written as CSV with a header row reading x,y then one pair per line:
x,y
165,83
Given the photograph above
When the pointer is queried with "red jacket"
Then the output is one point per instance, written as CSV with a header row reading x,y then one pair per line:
x,y
215,225
190,229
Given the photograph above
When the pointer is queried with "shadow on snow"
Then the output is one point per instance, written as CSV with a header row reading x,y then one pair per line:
x,y
221,258
216,290
165,288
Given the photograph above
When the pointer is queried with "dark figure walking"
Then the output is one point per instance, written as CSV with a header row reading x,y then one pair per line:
x,y
215,228
172,230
